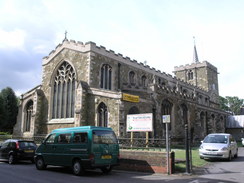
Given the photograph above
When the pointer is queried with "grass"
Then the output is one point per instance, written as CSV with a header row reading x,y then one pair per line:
x,y
180,154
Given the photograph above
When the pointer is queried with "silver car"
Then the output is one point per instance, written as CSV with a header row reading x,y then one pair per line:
x,y
219,146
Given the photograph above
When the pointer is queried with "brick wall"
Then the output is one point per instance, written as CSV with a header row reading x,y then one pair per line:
x,y
145,161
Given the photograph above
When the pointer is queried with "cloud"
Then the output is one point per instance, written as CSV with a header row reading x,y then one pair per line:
x,y
12,39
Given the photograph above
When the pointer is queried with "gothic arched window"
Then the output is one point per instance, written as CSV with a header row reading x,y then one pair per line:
x,y
64,92
190,75
166,107
132,78
102,115
184,113
202,119
166,110
28,114
143,81
106,77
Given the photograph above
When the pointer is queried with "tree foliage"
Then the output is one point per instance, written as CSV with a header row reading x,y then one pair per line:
x,y
8,109
231,104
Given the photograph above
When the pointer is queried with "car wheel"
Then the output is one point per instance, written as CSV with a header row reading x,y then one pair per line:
x,y
230,156
106,169
11,159
40,164
77,168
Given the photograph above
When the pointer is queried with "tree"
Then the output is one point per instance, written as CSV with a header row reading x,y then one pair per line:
x,y
223,102
8,109
235,104
2,112
231,104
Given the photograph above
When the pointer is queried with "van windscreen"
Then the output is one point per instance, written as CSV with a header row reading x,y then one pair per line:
x,y
104,137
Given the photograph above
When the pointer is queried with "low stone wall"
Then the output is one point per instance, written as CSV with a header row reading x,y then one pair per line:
x,y
145,161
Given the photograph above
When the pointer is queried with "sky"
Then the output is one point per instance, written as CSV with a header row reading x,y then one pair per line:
x,y
159,32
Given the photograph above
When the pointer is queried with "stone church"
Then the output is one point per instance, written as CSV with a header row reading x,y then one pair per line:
x,y
85,84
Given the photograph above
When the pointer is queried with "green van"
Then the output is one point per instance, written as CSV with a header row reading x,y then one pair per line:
x,y
85,147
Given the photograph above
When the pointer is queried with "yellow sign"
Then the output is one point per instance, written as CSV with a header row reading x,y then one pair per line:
x,y
130,98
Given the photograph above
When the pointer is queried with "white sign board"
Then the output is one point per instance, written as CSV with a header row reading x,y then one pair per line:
x,y
139,122
166,118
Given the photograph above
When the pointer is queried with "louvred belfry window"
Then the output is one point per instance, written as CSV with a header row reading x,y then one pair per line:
x,y
64,92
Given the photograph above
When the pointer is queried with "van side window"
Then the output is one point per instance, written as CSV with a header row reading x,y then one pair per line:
x,y
104,137
50,139
64,138
80,138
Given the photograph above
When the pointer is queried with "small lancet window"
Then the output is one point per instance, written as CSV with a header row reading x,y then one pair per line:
x,y
132,78
190,75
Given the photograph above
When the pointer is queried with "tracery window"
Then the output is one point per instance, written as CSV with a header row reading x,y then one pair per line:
x,y
28,114
64,92
132,78
166,107
102,115
106,77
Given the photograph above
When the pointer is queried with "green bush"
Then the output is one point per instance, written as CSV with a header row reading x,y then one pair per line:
x,y
5,133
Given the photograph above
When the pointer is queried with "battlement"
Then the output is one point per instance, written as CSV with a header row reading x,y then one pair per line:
x,y
92,47
195,65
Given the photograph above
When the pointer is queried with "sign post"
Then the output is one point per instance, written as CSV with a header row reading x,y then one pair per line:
x,y
166,120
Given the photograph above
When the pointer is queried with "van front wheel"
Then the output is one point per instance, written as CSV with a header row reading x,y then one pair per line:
x,y
77,168
40,164
106,169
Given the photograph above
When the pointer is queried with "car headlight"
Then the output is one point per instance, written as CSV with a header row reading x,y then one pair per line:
x,y
224,149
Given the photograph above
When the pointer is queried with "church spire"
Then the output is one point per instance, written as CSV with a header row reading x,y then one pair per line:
x,y
195,57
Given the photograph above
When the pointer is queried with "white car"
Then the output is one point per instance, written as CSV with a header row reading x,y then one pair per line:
x,y
242,141
218,146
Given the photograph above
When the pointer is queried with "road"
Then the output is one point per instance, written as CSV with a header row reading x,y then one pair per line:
x,y
215,172
225,171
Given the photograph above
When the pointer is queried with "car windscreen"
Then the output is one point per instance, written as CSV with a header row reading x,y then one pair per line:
x,y
23,144
222,139
104,137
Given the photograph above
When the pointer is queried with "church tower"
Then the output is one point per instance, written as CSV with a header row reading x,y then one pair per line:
x,y
201,74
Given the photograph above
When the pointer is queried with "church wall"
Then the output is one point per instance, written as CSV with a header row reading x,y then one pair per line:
x,y
159,86
202,81
181,75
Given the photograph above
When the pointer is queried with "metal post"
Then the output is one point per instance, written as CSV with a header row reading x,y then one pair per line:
x,y
131,139
187,150
167,148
